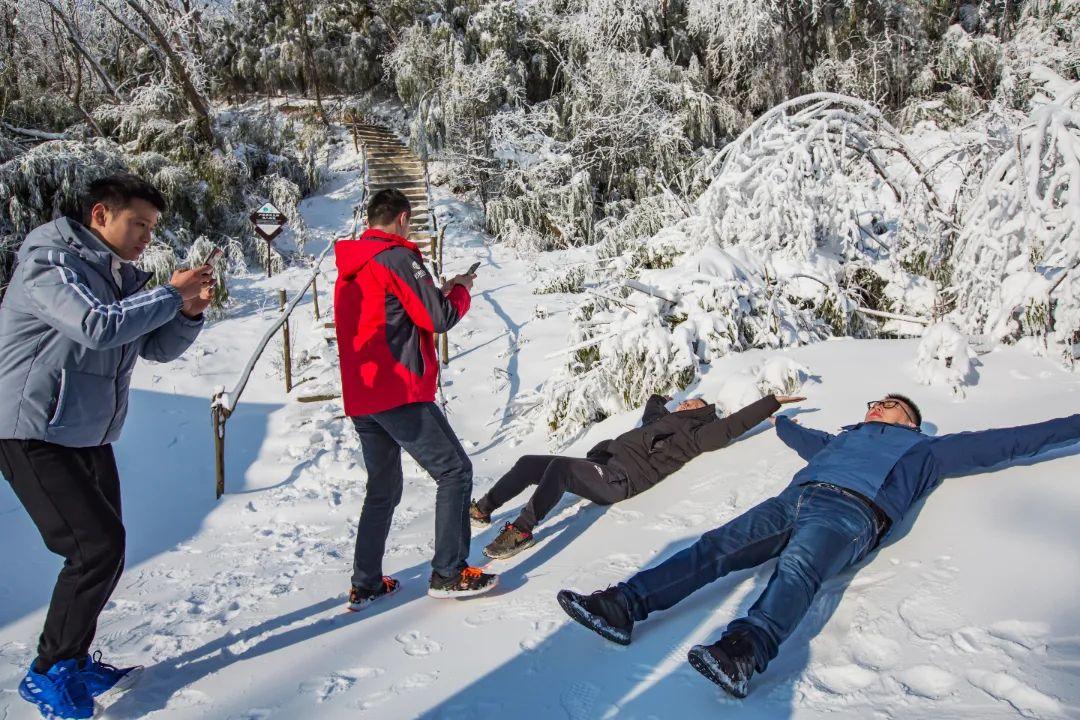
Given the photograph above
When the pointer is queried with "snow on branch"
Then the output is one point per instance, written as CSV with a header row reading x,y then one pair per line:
x,y
1020,243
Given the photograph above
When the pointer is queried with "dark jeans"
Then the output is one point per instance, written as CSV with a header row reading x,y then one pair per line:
x,y
73,497
815,531
554,475
422,430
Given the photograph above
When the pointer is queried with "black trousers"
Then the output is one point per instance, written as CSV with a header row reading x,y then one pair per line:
x,y
73,496
554,475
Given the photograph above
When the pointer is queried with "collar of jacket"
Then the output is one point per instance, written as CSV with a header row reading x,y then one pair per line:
x,y
881,426
81,240
376,234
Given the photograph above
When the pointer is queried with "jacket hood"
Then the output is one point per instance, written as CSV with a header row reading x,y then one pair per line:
x,y
74,237
352,255
881,426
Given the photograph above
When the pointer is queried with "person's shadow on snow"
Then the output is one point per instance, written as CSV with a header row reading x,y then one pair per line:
x,y
577,674
163,680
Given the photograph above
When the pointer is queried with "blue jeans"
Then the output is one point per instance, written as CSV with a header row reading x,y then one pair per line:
x,y
422,430
814,531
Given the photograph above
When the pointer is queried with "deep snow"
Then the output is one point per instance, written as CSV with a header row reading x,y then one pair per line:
x,y
237,606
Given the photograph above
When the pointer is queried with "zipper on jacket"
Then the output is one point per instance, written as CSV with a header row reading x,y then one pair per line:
x,y
59,398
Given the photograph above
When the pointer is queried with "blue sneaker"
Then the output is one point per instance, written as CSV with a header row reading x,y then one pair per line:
x,y
101,678
59,693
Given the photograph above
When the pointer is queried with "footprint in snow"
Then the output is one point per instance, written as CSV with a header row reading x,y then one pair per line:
x,y
927,681
417,645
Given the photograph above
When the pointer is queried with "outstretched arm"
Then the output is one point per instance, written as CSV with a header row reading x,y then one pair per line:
x,y
807,442
718,433
967,452
654,409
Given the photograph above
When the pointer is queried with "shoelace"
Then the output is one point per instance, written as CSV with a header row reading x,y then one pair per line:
x,y
389,582
471,572
95,659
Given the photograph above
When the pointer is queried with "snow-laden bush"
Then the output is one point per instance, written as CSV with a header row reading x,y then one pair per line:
x,y
818,216
1015,259
945,358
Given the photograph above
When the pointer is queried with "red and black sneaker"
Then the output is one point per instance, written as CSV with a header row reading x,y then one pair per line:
x,y
470,581
360,599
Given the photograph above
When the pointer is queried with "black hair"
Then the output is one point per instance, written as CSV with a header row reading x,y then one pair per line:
x,y
911,406
116,193
386,205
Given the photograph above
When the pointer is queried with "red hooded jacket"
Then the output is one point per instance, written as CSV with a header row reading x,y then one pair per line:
x,y
386,310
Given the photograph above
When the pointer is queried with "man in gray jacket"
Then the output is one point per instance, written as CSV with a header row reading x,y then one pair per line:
x,y
73,322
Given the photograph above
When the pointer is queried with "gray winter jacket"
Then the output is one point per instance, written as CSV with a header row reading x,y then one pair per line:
x,y
69,337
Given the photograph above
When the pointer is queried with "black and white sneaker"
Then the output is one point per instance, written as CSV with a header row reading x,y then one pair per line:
x,y
467,583
360,599
510,542
477,517
604,612
729,663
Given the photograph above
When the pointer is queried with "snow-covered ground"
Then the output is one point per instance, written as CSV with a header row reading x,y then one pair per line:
x,y
237,606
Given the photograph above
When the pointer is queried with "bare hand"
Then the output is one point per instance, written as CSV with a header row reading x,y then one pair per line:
x,y
194,308
465,281
786,399
190,283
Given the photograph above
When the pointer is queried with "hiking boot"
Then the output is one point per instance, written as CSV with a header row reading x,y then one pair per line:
x,y
477,517
604,612
59,692
360,599
729,663
510,542
102,679
470,581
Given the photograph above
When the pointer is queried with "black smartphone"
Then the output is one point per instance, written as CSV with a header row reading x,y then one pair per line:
x,y
472,268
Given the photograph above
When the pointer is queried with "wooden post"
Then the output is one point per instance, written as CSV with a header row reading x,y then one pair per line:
x,y
285,345
218,415
315,294
269,259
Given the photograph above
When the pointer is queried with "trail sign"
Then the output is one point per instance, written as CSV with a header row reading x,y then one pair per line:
x,y
268,221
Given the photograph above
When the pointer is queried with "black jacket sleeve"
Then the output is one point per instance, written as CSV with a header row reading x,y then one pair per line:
x,y
718,433
654,409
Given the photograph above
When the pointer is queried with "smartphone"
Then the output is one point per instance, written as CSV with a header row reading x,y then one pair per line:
x,y
472,268
214,255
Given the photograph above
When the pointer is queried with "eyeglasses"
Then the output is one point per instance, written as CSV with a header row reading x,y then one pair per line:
x,y
889,405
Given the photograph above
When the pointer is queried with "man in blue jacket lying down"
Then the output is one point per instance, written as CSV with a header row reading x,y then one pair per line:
x,y
856,486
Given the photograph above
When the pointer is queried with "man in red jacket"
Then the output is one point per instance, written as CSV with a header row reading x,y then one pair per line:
x,y
387,309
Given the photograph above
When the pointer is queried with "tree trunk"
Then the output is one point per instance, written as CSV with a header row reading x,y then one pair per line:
x,y
76,42
176,64
309,56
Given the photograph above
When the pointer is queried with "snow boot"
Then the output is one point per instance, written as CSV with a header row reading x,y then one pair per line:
x,y
604,612
729,663
510,542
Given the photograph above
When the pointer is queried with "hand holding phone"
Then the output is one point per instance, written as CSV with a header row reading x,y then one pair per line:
x,y
215,253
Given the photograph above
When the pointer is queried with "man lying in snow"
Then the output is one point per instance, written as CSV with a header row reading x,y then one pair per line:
x,y
856,486
616,469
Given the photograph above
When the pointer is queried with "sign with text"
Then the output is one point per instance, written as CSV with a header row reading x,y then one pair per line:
x,y
269,221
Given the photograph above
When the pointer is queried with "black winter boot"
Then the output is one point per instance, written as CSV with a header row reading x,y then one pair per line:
x,y
729,663
604,612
